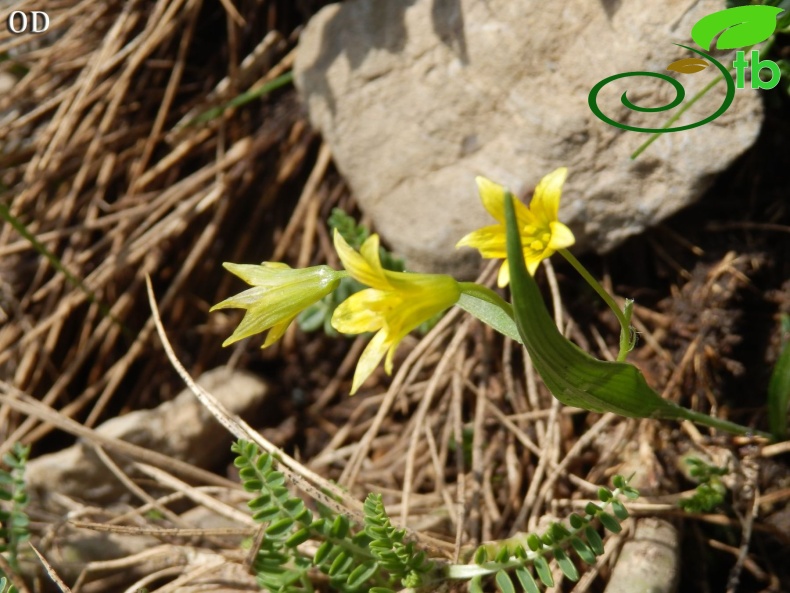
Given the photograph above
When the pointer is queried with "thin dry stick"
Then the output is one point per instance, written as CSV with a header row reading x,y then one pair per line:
x,y
310,187
296,472
25,404
195,495
51,571
351,471
134,488
422,412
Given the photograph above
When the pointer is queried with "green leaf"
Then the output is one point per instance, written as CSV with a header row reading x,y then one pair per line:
x,y
503,555
340,564
266,514
534,543
339,527
298,538
779,387
609,522
476,585
573,376
566,564
583,550
279,527
619,510
322,552
739,27
489,308
544,573
360,575
527,582
504,583
594,540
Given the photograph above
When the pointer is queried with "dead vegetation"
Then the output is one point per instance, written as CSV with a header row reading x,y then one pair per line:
x,y
110,167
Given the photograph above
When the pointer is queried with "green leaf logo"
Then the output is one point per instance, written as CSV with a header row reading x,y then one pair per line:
x,y
739,27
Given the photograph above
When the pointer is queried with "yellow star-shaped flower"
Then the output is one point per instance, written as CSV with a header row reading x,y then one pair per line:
x,y
541,232
394,305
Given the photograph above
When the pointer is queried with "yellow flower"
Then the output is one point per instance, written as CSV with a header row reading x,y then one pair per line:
x,y
280,293
541,232
395,304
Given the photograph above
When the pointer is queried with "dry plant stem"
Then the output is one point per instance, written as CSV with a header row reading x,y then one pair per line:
x,y
134,488
750,471
29,406
422,411
309,482
361,451
196,496
456,407
169,554
51,571
295,222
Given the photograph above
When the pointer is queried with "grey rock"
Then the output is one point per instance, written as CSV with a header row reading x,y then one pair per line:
x,y
415,98
181,428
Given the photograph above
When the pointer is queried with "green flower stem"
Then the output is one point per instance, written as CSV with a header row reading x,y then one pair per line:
x,y
718,423
624,316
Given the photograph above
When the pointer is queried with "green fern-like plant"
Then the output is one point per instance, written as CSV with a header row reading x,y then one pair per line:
x,y
377,557
522,554
711,491
14,523
355,558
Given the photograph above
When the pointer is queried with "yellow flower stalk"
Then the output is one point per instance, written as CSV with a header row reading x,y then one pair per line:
x,y
278,295
541,232
394,305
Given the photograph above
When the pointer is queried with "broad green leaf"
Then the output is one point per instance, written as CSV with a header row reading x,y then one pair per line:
x,y
573,376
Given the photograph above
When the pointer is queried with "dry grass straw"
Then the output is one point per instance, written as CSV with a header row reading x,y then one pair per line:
x,y
97,165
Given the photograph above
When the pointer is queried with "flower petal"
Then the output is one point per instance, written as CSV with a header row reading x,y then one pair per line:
x,y
490,240
365,268
561,236
276,332
545,203
363,311
266,274
493,197
370,359
504,275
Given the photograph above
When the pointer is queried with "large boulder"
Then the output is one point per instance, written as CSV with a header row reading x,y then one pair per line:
x,y
417,97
